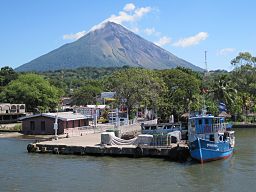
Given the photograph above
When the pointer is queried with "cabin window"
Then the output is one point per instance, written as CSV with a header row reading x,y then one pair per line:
x,y
42,125
153,128
192,123
168,127
146,128
211,137
73,124
206,121
79,123
32,125
200,121
66,124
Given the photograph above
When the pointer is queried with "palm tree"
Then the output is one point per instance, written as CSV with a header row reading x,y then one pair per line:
x,y
223,90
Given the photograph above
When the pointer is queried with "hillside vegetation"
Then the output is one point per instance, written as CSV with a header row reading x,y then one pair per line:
x,y
167,92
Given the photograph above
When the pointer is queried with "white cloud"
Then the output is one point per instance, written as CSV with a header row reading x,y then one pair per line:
x,y
135,29
163,41
74,36
193,40
149,31
129,7
142,11
226,51
135,15
129,14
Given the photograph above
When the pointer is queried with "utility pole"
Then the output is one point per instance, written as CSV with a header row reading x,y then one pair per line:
x,y
55,127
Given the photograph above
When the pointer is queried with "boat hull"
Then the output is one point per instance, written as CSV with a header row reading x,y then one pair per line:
x,y
210,151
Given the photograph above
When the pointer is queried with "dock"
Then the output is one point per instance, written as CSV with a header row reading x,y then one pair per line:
x,y
90,145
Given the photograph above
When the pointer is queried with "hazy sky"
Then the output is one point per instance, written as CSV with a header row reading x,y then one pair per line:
x,y
186,28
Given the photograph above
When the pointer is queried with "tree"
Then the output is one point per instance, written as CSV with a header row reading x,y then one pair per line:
x,y
244,80
86,95
223,90
32,90
7,74
135,87
183,92
244,58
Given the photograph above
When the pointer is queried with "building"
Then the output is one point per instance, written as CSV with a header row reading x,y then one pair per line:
x,y
42,124
90,110
10,113
66,103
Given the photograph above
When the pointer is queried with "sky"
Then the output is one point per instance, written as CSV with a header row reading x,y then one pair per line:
x,y
186,28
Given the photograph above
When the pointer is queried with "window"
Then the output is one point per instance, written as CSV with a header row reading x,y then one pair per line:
x,y
13,109
42,125
73,124
66,124
79,123
200,121
211,137
206,121
169,127
32,125
193,123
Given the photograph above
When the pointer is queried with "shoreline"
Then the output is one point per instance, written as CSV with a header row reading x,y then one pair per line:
x,y
19,135
244,125
10,134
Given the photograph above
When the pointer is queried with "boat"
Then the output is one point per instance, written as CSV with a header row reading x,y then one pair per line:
x,y
161,128
210,138
166,130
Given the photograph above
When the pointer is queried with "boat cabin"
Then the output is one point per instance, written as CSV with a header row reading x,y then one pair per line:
x,y
207,127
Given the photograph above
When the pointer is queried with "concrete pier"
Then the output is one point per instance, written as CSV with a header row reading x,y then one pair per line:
x,y
90,145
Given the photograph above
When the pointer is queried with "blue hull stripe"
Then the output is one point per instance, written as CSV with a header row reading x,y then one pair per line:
x,y
210,155
210,151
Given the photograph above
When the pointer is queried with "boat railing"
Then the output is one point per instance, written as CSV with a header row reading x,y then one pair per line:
x,y
213,128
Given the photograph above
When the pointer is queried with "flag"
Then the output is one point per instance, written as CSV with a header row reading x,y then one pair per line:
x,y
222,107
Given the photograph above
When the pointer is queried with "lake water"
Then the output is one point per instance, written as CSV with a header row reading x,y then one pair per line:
x,y
22,171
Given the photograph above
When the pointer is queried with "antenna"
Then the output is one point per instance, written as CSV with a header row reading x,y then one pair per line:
x,y
205,61
204,80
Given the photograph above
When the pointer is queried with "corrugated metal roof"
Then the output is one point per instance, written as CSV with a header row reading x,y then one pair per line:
x,y
64,116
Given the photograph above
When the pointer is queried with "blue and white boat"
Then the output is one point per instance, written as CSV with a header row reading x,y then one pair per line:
x,y
209,138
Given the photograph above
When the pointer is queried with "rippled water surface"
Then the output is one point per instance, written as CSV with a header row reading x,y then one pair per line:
x,y
21,171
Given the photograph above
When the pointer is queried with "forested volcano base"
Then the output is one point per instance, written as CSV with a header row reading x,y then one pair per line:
x,y
167,92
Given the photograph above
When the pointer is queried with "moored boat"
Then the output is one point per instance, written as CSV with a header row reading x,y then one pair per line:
x,y
209,138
